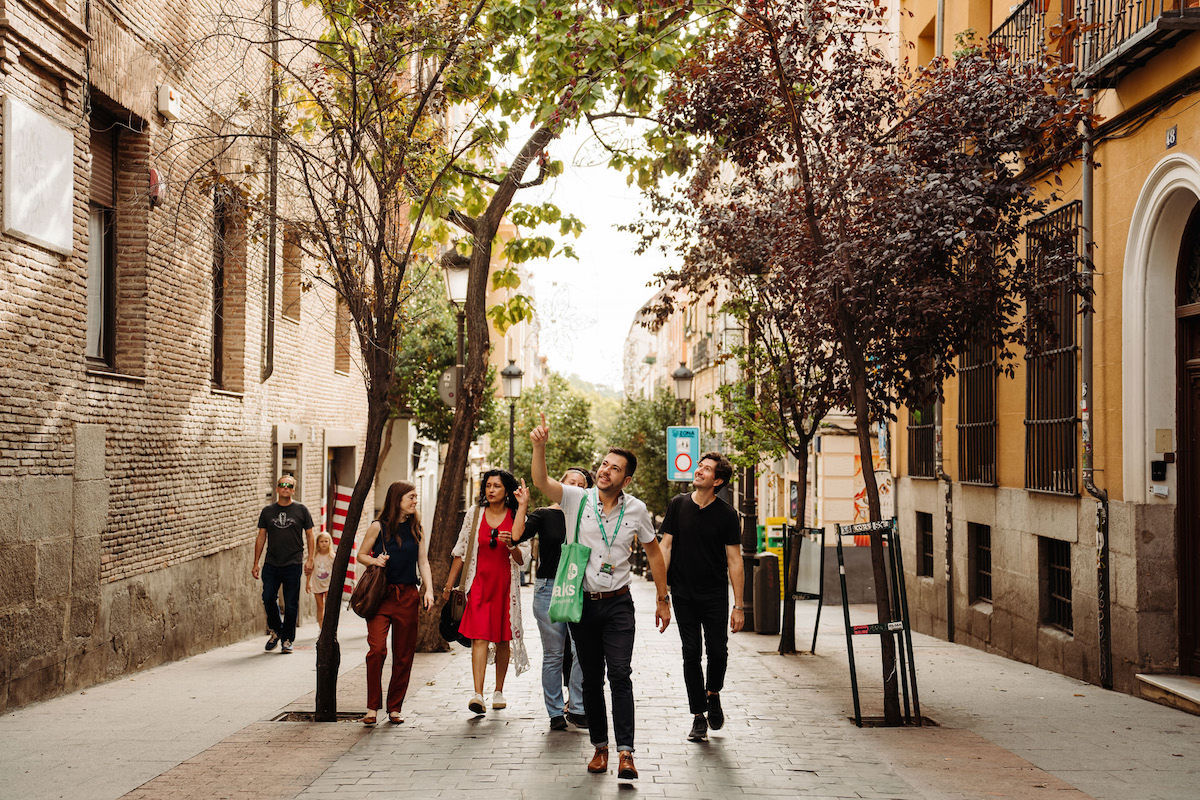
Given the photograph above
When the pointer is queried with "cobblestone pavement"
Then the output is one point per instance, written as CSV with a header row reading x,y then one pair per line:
x,y
787,735
1006,730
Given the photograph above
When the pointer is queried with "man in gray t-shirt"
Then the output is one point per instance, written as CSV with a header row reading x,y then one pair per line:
x,y
609,521
283,529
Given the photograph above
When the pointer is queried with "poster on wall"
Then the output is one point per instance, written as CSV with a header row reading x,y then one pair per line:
x,y
39,179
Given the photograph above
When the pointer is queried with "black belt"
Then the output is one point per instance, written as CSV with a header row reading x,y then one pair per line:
x,y
606,595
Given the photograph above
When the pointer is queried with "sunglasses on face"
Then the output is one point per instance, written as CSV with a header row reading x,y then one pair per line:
x,y
286,485
495,536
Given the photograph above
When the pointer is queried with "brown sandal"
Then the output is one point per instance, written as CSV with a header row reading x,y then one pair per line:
x,y
395,718
369,720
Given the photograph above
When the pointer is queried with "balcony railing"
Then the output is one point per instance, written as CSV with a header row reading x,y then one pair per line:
x,y
1120,35
1023,34
1112,37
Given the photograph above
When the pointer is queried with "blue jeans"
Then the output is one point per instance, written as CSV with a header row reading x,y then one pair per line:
x,y
554,641
289,578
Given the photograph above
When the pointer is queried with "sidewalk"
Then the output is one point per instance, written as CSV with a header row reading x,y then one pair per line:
x,y
201,728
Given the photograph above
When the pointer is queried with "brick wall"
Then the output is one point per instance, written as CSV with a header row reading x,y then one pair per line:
x,y
130,495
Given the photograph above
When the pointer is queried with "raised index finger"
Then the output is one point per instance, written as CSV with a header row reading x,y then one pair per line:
x,y
543,416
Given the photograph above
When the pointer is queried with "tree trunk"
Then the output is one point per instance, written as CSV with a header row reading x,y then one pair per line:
x,y
329,655
883,609
787,639
446,518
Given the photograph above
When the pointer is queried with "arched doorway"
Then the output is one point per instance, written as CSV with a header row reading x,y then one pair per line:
x,y
1187,338
1160,391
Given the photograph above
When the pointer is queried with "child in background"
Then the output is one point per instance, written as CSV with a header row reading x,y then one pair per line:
x,y
317,583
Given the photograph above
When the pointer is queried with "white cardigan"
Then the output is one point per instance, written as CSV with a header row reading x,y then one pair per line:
x,y
520,659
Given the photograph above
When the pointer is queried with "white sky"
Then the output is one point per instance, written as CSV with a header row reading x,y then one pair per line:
x,y
587,306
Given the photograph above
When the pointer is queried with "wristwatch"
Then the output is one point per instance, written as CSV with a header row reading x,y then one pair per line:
x,y
664,598
739,608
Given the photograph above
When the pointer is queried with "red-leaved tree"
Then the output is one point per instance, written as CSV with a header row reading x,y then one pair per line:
x,y
887,205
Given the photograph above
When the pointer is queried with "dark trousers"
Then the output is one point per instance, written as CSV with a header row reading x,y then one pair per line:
x,y
707,615
289,578
604,642
399,610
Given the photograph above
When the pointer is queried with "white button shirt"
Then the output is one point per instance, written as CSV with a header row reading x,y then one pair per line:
x,y
636,523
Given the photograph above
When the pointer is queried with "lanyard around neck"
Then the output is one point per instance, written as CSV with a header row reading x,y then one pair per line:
x,y
600,519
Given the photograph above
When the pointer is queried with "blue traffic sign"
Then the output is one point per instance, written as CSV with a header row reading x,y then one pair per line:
x,y
683,451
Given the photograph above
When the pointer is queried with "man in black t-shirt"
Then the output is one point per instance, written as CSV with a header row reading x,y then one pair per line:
x,y
701,538
283,528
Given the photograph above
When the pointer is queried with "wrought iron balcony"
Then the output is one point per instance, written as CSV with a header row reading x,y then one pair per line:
x,y
1113,37
1023,34
1121,35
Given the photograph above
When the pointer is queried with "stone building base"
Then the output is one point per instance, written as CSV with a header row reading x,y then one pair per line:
x,y
1142,578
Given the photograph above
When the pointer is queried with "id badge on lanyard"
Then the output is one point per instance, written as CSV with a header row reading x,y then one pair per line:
x,y
606,577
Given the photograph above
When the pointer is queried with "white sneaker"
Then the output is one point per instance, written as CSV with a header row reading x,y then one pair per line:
x,y
476,705
498,701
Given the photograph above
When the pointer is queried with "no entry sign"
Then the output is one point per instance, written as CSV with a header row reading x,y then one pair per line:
x,y
683,450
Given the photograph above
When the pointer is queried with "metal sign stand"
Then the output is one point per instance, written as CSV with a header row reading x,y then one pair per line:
x,y
810,578
899,628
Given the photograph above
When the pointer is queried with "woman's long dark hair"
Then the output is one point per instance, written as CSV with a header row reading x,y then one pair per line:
x,y
390,516
510,486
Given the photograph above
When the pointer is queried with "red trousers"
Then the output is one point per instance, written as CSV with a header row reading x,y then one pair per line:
x,y
398,610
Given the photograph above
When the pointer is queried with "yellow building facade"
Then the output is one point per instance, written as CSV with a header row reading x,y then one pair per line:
x,y
1021,556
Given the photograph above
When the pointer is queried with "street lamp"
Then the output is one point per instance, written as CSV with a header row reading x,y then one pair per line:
x,y
511,376
458,277
683,388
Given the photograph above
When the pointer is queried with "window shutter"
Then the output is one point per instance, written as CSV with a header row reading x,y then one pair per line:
x,y
104,163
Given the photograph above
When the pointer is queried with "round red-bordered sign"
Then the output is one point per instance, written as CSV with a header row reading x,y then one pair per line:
x,y
683,463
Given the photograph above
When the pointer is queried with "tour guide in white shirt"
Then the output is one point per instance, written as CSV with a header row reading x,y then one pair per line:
x,y
604,636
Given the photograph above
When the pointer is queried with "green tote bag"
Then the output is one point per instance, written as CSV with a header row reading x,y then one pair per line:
x,y
566,602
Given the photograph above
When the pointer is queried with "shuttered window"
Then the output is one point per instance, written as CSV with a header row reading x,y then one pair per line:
x,y
101,274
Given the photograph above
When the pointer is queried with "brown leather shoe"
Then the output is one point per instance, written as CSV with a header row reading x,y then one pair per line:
x,y
625,768
599,762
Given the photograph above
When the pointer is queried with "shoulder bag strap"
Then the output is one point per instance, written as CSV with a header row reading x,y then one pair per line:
x,y
579,515
462,576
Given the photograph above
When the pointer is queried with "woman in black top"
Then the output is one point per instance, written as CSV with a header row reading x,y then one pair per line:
x,y
395,542
550,526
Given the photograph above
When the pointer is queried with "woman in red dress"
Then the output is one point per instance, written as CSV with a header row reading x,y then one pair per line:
x,y
492,620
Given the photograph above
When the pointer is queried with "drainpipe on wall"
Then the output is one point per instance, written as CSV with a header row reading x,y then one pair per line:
x,y
939,29
1086,393
939,50
268,362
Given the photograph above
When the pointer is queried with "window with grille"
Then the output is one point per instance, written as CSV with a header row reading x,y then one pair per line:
x,y
1051,421
977,414
920,441
220,239
979,538
1056,583
924,544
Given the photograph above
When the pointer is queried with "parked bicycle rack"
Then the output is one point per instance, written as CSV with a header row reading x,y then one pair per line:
x,y
898,602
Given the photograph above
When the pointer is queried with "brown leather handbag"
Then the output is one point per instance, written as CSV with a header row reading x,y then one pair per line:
x,y
452,611
369,590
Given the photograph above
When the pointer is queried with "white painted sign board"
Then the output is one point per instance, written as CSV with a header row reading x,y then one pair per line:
x,y
39,179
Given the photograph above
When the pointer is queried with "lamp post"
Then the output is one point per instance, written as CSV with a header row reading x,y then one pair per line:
x,y
683,389
458,277
511,376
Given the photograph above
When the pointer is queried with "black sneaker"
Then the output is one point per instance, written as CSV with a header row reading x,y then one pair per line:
x,y
287,646
558,723
716,717
578,720
699,729
272,640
